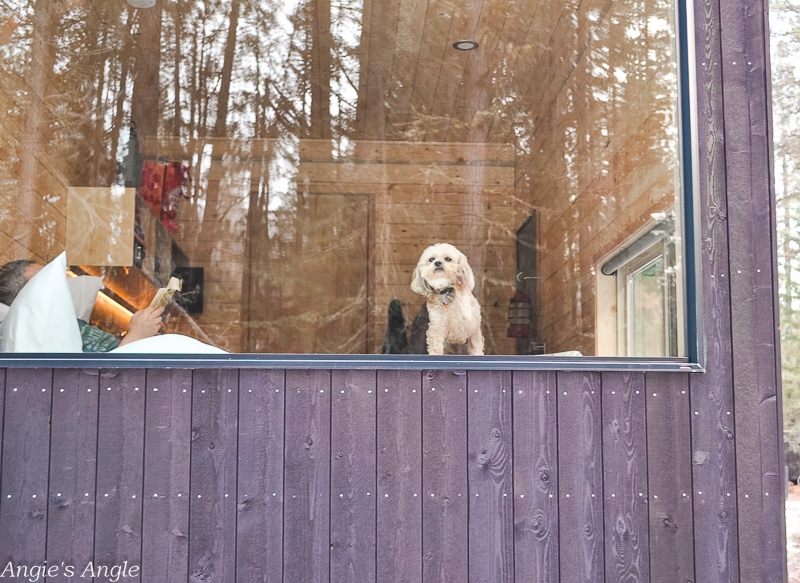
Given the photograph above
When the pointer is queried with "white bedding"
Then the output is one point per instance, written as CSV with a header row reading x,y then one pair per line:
x,y
168,344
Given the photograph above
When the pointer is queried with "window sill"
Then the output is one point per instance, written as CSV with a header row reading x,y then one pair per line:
x,y
359,362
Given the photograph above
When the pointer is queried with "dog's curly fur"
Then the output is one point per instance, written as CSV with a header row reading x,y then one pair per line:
x,y
444,277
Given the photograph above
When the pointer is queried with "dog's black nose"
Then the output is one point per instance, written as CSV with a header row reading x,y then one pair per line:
x,y
438,264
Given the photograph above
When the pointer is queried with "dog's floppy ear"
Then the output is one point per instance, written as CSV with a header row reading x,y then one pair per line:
x,y
465,278
418,283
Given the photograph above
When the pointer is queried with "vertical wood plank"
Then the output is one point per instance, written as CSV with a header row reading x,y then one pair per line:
x,y
120,462
535,477
24,485
753,281
625,477
259,555
716,541
73,467
353,481
580,477
491,476
714,478
212,510
669,477
445,492
167,452
399,521
306,541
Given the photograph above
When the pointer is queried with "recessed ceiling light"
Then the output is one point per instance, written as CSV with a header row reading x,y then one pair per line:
x,y
465,45
142,3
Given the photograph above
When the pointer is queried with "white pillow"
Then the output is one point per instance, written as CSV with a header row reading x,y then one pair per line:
x,y
84,290
42,317
168,344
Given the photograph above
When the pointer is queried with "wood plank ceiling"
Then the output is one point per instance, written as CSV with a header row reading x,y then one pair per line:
x,y
417,87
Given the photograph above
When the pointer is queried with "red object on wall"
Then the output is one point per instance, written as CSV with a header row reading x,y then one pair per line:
x,y
162,187
176,187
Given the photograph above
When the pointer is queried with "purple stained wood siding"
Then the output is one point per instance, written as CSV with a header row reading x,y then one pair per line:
x,y
490,472
399,476
626,494
26,456
535,455
713,454
306,532
73,467
445,491
353,476
669,478
120,468
580,477
259,552
214,447
404,476
754,336
167,479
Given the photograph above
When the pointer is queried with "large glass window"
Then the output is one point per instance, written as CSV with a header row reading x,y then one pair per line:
x,y
290,163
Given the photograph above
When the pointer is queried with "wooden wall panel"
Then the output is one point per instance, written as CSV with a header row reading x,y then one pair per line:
x,y
491,476
278,475
260,497
306,534
120,468
73,466
399,469
353,476
167,479
711,395
536,523
625,484
669,478
445,490
580,476
420,194
752,279
213,507
26,461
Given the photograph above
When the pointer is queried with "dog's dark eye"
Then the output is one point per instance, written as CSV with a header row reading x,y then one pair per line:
x,y
447,259
431,259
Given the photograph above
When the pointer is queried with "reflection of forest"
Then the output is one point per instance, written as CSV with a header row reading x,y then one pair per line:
x,y
331,142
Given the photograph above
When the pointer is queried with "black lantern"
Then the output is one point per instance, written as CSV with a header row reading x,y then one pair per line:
x,y
520,312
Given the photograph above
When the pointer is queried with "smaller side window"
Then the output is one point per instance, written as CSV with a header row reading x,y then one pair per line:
x,y
639,312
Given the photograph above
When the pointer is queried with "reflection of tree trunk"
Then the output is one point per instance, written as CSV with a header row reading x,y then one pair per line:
x,y
31,143
227,71
119,106
257,248
176,79
144,106
321,66
212,212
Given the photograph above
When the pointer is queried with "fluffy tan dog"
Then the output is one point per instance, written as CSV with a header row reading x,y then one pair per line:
x,y
445,278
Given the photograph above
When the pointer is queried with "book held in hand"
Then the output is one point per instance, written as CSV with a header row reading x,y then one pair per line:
x,y
164,294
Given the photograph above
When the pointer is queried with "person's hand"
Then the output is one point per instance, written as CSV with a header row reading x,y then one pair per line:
x,y
144,323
